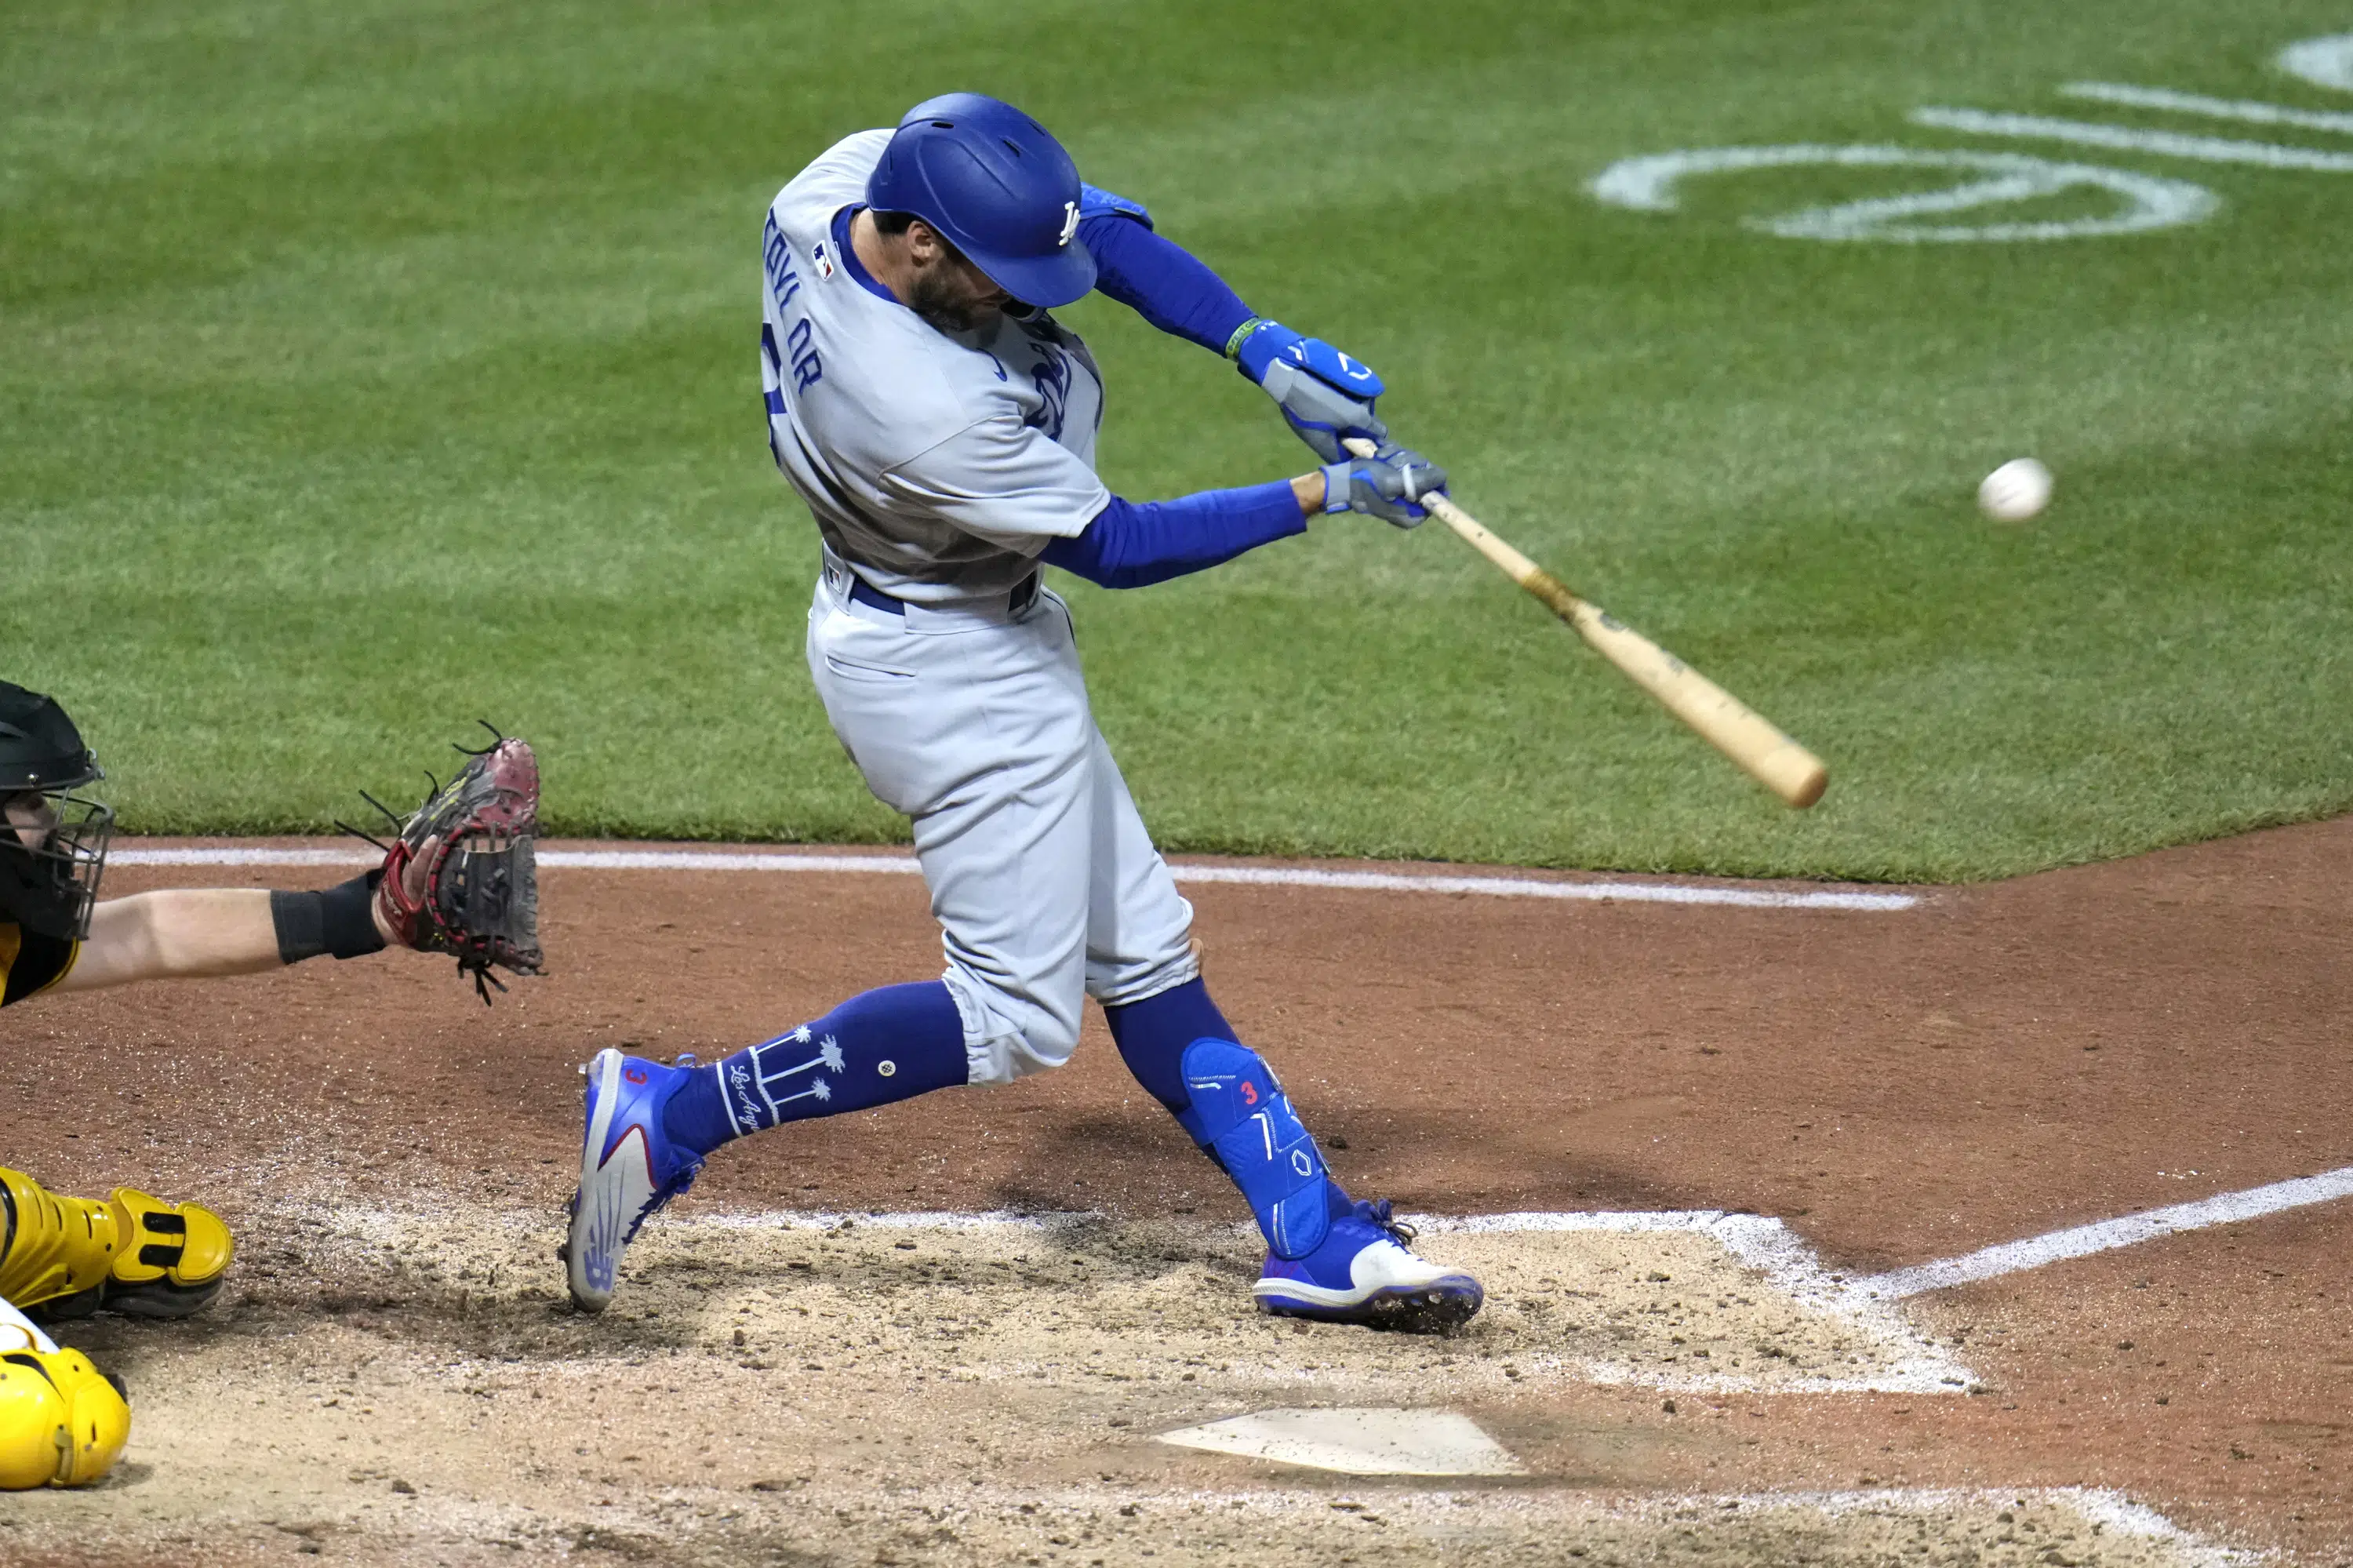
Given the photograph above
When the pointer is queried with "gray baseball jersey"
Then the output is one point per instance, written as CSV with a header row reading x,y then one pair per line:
x,y
937,465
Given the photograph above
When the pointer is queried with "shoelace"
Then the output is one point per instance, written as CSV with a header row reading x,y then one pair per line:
x,y
1379,1213
670,1188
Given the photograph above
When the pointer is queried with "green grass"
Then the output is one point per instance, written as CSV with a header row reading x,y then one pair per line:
x,y
367,368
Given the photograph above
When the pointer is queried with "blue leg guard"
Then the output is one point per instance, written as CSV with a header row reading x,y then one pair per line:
x,y
1241,1115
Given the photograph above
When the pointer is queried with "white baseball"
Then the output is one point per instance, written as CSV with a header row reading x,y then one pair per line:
x,y
2017,492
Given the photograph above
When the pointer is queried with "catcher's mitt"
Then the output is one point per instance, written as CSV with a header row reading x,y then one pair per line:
x,y
462,877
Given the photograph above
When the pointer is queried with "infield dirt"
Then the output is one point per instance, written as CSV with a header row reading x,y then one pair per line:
x,y
393,1375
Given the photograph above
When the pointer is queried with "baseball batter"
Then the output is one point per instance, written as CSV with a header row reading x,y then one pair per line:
x,y
61,1422
941,425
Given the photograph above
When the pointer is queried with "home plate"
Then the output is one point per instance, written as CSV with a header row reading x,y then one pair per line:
x,y
1361,1442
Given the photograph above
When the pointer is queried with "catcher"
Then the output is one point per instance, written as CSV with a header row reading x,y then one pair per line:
x,y
459,879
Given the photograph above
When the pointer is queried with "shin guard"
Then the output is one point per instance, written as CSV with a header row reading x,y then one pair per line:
x,y
128,1252
1239,1115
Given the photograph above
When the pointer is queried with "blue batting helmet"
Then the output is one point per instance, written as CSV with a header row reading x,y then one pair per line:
x,y
998,186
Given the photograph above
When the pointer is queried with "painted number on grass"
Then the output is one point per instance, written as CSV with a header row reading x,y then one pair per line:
x,y
1991,180
2324,62
1983,183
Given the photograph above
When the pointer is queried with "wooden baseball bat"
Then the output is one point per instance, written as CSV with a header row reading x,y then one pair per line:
x,y
1723,720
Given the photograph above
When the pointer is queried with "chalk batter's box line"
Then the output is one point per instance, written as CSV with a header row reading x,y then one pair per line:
x,y
1759,1241
2107,1235
1766,1243
1916,1364
1852,900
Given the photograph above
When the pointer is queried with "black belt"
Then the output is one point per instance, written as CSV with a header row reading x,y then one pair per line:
x,y
1024,594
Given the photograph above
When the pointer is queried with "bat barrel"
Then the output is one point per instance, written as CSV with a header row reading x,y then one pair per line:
x,y
1753,742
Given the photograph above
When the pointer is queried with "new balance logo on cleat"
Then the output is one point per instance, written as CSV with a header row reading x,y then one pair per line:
x,y
607,1213
628,1169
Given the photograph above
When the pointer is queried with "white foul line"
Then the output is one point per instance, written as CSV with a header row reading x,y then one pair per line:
x,y
128,856
1276,876
1528,887
2010,1258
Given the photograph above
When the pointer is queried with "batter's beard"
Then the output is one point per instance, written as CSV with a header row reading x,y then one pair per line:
x,y
936,299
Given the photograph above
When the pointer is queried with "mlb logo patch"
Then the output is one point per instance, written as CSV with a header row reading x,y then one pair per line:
x,y
823,259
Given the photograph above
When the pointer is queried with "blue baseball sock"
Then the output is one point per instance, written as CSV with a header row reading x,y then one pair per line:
x,y
891,1043
1152,1035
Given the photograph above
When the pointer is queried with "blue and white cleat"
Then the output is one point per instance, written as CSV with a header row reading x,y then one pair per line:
x,y
1367,1273
629,1168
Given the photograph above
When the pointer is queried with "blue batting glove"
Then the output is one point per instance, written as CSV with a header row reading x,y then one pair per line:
x,y
1386,485
1325,395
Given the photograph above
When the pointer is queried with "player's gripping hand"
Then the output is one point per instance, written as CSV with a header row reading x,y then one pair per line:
x,y
1386,485
1326,395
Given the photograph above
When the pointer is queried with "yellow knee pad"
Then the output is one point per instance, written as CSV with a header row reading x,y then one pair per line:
x,y
129,1252
62,1423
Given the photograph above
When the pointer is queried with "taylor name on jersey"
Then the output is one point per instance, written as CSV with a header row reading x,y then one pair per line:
x,y
937,464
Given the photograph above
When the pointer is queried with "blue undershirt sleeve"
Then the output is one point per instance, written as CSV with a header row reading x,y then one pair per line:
x,y
1161,280
1131,544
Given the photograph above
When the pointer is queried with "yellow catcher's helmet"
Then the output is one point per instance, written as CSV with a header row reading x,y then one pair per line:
x,y
62,1423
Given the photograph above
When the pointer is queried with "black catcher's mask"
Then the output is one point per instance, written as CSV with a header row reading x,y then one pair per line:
x,y
53,842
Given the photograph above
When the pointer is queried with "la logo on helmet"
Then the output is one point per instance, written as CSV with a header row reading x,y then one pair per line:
x,y
1070,223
